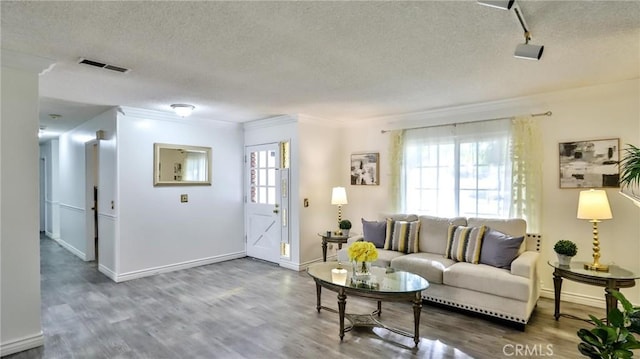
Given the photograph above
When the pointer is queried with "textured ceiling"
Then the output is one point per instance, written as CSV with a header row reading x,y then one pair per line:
x,y
240,61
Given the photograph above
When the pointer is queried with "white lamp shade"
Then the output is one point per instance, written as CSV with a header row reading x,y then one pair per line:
x,y
594,204
339,196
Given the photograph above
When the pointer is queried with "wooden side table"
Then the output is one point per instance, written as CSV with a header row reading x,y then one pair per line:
x,y
615,278
331,238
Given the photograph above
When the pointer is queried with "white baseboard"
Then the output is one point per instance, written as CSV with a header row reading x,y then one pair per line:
x,y
290,265
22,344
576,298
108,272
300,266
70,248
51,235
174,267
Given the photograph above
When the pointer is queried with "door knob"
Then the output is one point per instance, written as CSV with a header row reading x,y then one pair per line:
x,y
276,211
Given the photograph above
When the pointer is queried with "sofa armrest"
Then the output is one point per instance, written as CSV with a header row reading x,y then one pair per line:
x,y
525,264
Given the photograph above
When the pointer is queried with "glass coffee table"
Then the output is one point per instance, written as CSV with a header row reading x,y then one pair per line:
x,y
382,285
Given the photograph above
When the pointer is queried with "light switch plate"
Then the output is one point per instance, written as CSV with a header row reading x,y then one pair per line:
x,y
184,198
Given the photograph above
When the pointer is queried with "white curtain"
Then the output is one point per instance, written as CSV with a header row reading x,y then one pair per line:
x,y
396,139
526,159
195,166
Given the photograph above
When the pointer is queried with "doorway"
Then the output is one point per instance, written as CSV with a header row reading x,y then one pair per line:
x,y
92,149
264,208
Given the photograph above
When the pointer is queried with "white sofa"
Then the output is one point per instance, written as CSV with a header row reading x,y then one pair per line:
x,y
508,294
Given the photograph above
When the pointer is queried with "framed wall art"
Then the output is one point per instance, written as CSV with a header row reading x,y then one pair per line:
x,y
364,169
590,164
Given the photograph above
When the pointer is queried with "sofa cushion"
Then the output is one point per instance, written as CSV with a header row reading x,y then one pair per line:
x,y
399,217
374,232
433,232
464,243
386,256
429,266
487,279
405,236
499,249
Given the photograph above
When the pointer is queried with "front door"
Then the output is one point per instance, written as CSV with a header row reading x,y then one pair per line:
x,y
263,210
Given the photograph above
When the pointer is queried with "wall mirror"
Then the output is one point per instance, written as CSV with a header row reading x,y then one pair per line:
x,y
181,165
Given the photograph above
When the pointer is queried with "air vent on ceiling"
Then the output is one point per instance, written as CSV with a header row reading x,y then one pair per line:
x,y
103,65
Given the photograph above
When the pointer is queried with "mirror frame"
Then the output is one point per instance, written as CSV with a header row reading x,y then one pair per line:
x,y
156,165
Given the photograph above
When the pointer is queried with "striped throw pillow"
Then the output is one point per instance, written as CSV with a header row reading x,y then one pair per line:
x,y
389,234
464,243
405,236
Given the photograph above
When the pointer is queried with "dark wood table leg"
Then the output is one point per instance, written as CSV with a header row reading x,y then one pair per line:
x,y
324,249
612,302
339,245
318,294
379,308
557,289
342,303
417,308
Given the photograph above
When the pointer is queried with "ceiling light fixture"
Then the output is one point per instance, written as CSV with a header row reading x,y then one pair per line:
x,y
499,4
183,110
54,116
523,51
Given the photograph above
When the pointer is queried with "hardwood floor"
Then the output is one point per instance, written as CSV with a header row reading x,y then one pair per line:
x,y
251,309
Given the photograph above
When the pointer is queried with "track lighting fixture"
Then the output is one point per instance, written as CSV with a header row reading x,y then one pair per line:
x,y
499,4
526,51
523,51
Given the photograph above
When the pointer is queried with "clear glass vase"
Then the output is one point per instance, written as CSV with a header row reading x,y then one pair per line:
x,y
361,269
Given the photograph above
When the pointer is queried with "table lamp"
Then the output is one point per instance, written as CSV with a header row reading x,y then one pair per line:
x,y
339,197
594,206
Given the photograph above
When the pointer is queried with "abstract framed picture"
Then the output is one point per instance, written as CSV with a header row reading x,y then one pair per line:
x,y
364,169
590,164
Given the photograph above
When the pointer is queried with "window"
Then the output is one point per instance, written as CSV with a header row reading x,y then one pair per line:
x,y
458,170
263,168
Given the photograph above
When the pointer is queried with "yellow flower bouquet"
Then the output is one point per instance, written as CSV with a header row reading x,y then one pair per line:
x,y
363,252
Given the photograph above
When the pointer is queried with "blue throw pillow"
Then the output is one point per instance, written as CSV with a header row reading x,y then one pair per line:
x,y
374,232
499,249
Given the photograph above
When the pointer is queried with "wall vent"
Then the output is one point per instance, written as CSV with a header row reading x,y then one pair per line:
x,y
102,65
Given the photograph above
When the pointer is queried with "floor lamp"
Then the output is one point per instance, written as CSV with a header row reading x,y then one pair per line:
x,y
594,206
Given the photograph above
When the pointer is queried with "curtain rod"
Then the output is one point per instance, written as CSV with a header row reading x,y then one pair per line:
x,y
548,113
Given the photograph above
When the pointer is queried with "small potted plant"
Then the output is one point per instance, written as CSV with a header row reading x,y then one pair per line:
x,y
345,226
565,250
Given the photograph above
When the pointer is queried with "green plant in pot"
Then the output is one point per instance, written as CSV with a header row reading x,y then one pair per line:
x,y
565,249
345,226
614,339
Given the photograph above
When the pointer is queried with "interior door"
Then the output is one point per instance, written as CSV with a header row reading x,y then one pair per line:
x,y
263,207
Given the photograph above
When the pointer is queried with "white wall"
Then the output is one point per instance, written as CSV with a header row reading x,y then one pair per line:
x,y
20,327
598,112
74,204
321,166
156,231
